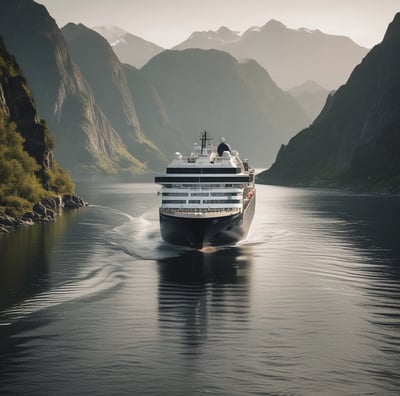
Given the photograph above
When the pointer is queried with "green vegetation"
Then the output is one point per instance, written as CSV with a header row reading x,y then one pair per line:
x,y
48,137
24,181
58,180
20,184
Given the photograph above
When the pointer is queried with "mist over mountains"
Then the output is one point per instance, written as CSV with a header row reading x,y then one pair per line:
x,y
128,47
311,97
291,56
355,141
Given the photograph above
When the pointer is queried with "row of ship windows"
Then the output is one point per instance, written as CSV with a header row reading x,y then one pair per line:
x,y
201,194
197,201
197,186
208,170
201,179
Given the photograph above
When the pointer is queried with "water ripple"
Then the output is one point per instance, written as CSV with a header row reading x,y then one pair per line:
x,y
87,284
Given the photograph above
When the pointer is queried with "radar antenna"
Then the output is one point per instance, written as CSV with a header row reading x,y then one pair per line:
x,y
204,138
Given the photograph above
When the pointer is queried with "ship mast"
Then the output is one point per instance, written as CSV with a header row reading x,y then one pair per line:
x,y
204,138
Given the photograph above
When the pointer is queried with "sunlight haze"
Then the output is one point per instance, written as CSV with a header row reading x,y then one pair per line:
x,y
167,23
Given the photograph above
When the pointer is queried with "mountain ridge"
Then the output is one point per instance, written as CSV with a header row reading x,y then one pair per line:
x,y
354,140
291,56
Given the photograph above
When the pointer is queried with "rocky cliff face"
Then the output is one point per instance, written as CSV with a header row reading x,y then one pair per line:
x,y
354,140
107,80
17,105
30,178
83,134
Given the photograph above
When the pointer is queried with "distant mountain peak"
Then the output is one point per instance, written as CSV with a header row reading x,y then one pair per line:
x,y
223,34
274,24
224,29
309,85
74,28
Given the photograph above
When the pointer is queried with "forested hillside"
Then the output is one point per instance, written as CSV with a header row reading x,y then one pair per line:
x,y
28,171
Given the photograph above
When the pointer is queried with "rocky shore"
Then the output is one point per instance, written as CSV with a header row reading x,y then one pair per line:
x,y
45,210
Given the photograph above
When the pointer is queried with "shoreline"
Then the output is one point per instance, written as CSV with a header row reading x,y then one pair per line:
x,y
43,211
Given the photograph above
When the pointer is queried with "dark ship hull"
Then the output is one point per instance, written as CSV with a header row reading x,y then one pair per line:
x,y
201,232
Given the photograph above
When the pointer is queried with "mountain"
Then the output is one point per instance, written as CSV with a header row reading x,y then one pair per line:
x,y
178,94
153,114
106,78
28,170
291,56
355,141
84,137
209,39
129,48
198,90
311,97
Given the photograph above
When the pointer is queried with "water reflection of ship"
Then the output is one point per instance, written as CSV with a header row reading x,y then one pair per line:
x,y
198,290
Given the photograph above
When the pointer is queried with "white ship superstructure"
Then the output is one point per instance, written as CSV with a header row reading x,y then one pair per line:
x,y
205,195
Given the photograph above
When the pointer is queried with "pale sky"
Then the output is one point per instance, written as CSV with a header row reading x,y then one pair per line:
x,y
169,22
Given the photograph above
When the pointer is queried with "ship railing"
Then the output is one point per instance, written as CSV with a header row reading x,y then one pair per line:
x,y
185,186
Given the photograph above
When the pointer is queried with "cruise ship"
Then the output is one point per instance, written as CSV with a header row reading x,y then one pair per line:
x,y
208,197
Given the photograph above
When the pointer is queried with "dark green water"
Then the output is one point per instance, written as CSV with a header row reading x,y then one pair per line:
x,y
95,303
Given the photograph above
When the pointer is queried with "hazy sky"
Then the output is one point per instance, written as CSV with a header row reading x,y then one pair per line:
x,y
169,22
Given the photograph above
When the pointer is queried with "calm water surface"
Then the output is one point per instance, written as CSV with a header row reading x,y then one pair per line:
x,y
95,303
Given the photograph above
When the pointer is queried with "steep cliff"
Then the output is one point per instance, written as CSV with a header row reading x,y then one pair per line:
x,y
28,171
107,80
355,140
17,105
85,137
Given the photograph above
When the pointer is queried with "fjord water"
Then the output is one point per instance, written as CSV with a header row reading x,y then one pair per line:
x,y
95,303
